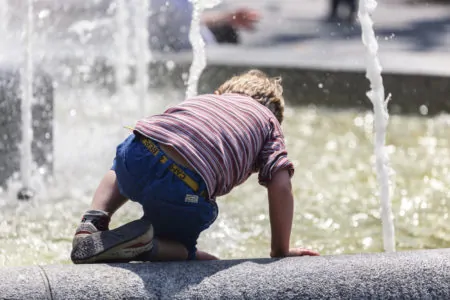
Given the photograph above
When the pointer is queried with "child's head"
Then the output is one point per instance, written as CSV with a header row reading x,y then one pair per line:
x,y
256,84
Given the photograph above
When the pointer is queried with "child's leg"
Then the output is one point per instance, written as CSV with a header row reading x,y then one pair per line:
x,y
93,241
168,250
107,197
165,250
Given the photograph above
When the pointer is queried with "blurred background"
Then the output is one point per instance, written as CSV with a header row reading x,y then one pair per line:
x,y
99,65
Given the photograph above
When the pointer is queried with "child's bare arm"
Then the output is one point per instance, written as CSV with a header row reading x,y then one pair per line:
x,y
281,210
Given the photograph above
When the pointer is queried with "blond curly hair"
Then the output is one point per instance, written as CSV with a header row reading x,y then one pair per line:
x,y
256,84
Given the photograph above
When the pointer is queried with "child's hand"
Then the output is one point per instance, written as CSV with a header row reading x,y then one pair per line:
x,y
244,18
302,252
202,255
298,252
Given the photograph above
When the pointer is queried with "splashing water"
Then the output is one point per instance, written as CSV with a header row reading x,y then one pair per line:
x,y
142,50
377,97
4,18
121,41
131,20
198,44
27,101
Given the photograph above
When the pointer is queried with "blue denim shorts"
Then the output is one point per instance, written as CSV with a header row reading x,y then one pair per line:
x,y
174,209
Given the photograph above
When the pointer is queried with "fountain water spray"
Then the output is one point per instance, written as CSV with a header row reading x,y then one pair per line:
x,y
4,18
134,13
26,159
121,41
198,44
377,97
142,49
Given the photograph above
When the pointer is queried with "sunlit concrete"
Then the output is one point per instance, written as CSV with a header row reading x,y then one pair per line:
x,y
406,275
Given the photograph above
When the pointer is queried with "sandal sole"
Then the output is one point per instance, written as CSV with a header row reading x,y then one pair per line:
x,y
120,244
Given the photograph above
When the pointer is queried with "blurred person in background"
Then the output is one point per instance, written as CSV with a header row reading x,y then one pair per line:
x,y
170,22
334,10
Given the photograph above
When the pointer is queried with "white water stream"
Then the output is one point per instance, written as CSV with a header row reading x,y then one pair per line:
x,y
198,44
121,43
27,73
142,50
381,117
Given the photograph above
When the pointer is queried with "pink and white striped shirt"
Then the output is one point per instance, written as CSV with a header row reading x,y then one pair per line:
x,y
225,138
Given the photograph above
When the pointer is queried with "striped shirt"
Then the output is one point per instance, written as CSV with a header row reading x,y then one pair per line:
x,y
225,138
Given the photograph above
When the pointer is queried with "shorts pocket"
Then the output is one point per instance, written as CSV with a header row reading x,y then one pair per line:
x,y
140,164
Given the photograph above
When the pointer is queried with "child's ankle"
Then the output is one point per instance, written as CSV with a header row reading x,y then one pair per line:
x,y
100,219
98,212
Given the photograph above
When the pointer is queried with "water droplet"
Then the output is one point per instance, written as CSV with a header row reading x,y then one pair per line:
x,y
423,109
170,65
358,121
367,241
44,14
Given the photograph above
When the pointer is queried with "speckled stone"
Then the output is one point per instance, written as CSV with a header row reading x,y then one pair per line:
x,y
24,283
421,274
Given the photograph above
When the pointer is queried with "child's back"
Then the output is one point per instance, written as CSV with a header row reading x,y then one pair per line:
x,y
225,138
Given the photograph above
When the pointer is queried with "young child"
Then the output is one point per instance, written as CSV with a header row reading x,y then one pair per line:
x,y
177,163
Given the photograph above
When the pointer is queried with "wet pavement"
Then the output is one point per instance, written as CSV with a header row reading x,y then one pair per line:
x,y
413,38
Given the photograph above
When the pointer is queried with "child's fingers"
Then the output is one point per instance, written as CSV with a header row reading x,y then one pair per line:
x,y
245,18
253,16
310,252
202,255
303,252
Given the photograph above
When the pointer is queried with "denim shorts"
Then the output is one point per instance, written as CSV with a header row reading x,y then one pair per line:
x,y
174,209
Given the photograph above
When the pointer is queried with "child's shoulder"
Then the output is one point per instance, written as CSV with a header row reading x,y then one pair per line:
x,y
228,97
